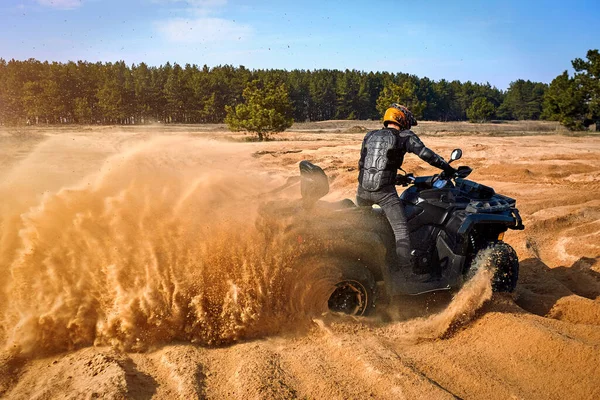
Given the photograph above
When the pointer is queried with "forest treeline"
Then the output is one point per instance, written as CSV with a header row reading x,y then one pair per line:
x,y
81,92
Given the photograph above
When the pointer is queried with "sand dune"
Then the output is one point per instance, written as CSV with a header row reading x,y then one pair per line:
x,y
134,267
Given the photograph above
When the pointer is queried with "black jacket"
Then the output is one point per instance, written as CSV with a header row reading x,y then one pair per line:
x,y
383,152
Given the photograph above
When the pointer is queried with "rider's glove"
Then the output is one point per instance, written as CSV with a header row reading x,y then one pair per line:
x,y
404,180
449,172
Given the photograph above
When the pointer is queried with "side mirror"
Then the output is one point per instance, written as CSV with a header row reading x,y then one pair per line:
x,y
313,183
456,155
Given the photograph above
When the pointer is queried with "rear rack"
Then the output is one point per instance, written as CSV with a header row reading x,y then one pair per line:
x,y
497,203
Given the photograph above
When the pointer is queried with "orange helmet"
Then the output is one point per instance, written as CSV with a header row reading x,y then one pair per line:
x,y
400,115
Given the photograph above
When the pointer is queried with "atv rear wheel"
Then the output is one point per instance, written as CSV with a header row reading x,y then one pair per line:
x,y
503,258
354,291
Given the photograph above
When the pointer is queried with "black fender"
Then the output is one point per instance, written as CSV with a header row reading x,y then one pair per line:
x,y
366,249
459,227
353,233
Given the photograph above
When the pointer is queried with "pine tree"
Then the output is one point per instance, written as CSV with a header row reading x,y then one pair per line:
x,y
267,109
588,77
481,110
564,102
523,100
405,94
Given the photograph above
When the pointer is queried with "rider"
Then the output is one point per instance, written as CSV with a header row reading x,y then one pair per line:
x,y
381,156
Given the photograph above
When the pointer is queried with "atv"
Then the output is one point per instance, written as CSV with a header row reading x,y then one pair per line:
x,y
453,223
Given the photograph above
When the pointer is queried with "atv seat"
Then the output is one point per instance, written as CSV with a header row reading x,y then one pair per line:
x,y
410,211
342,204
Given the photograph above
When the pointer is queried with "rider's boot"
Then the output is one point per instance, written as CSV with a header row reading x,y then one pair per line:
x,y
415,283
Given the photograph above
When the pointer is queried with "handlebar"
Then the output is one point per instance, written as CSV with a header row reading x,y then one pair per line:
x,y
410,179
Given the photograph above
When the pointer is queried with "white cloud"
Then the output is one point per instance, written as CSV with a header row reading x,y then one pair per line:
x,y
61,4
203,30
196,7
202,27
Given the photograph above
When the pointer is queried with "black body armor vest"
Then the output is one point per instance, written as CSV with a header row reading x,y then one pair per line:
x,y
383,153
380,158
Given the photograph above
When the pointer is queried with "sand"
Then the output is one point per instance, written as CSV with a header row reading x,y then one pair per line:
x,y
135,264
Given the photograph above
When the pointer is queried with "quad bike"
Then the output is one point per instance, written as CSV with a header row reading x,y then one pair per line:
x,y
453,223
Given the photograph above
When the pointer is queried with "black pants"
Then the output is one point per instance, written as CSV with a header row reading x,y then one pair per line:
x,y
387,198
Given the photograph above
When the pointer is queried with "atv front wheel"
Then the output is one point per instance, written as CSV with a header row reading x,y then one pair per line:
x,y
354,291
503,258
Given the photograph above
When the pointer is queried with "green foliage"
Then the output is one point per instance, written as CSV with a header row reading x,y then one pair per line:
x,y
266,110
563,102
445,105
177,94
323,96
115,93
83,111
575,102
110,101
404,93
481,110
523,101
587,78
352,95
466,93
33,101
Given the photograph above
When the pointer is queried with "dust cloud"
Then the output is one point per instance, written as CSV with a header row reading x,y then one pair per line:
x,y
163,244
166,244
160,245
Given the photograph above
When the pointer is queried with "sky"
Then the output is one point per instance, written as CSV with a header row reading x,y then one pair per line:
x,y
481,41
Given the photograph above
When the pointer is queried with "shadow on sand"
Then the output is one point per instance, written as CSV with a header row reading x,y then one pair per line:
x,y
541,287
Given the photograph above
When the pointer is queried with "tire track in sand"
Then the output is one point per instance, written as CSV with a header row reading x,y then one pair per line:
x,y
329,365
179,371
250,371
